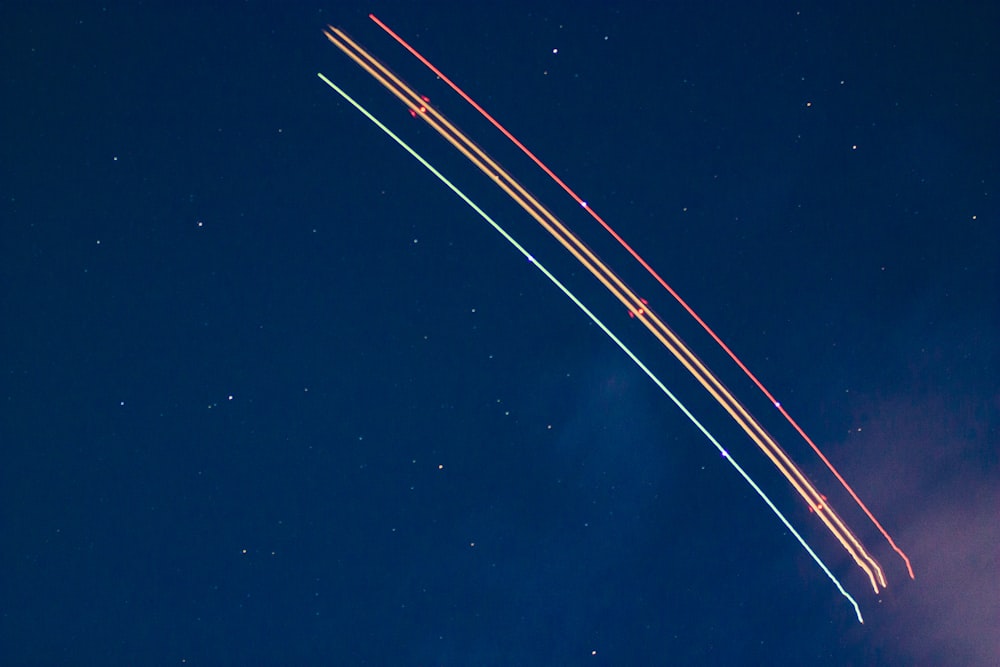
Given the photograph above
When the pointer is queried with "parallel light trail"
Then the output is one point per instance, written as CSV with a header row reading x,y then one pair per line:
x,y
579,304
677,297
632,302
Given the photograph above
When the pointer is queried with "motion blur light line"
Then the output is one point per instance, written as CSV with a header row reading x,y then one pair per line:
x,y
631,355
636,306
677,297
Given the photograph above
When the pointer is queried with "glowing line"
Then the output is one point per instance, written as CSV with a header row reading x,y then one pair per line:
x,y
454,136
579,304
626,296
677,297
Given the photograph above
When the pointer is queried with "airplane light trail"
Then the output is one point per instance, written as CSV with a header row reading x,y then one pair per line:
x,y
636,306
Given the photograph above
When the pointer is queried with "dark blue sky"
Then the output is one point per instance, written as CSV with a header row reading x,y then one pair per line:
x,y
272,395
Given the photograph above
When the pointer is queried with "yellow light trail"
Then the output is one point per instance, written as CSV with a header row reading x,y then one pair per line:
x,y
625,295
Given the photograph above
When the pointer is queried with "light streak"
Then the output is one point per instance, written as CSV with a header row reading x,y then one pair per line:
x,y
656,276
600,324
633,303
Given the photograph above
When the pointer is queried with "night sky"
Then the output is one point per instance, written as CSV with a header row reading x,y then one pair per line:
x,y
272,395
